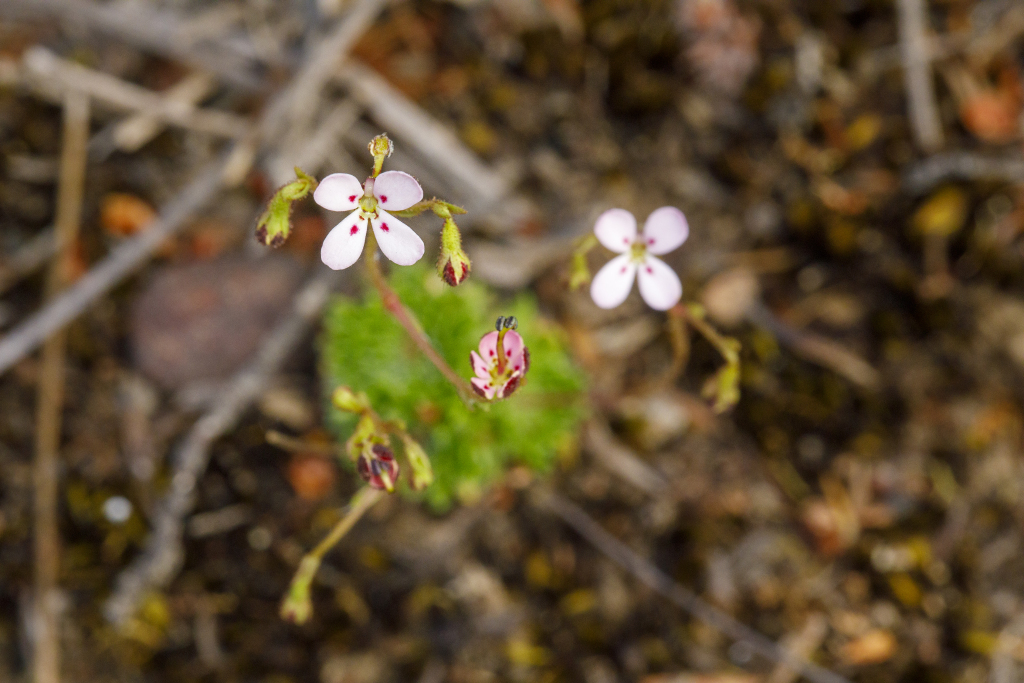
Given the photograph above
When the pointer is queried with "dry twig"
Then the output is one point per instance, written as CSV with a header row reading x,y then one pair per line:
x,y
52,76
50,398
818,349
917,74
163,33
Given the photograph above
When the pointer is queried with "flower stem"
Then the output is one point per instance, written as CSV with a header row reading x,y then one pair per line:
x,y
362,501
393,305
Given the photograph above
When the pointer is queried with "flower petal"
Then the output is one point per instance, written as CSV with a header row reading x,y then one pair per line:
x,y
489,348
616,230
345,242
659,285
513,345
396,191
338,192
483,387
665,230
480,366
612,283
396,239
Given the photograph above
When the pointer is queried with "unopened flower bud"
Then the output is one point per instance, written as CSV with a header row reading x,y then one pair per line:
x,y
378,467
345,399
381,146
452,265
419,463
297,606
274,226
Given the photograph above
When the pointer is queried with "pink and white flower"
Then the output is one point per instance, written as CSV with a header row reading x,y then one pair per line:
x,y
369,203
665,230
501,364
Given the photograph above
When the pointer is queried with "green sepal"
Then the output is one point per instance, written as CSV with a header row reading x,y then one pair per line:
x,y
274,226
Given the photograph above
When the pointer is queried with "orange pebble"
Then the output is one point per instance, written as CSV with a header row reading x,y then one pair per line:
x,y
124,214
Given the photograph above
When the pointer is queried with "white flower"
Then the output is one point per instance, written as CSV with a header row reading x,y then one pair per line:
x,y
392,190
664,231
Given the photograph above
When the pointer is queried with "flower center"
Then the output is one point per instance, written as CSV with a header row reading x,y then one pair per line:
x,y
638,250
368,205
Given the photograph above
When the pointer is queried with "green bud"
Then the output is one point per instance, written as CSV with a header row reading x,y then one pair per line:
x,y
297,606
345,399
453,265
579,273
274,226
381,146
419,463
365,435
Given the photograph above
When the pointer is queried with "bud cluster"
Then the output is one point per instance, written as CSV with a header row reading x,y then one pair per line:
x,y
369,446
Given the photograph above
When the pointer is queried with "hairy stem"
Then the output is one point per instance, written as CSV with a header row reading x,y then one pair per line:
x,y
393,305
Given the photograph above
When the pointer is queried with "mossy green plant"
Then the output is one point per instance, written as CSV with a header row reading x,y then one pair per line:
x,y
363,347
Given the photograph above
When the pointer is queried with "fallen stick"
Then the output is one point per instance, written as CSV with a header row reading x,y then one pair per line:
x,y
930,172
917,74
46,655
648,574
52,76
131,255
818,349
162,555
163,33
130,134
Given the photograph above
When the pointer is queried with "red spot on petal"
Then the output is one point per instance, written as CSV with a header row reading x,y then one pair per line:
x,y
650,241
384,227
624,269
650,270
625,240
517,367
509,353
354,230
491,352
352,198
383,198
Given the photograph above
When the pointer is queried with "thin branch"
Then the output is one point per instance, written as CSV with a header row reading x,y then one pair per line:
x,y
163,33
47,73
163,554
130,134
50,398
621,554
937,169
393,305
917,74
818,349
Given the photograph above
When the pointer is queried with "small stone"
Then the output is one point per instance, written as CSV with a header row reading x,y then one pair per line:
x,y
204,321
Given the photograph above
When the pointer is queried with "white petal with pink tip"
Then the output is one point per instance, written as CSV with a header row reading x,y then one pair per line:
x,y
616,230
612,283
396,191
345,242
659,285
396,239
665,230
338,192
